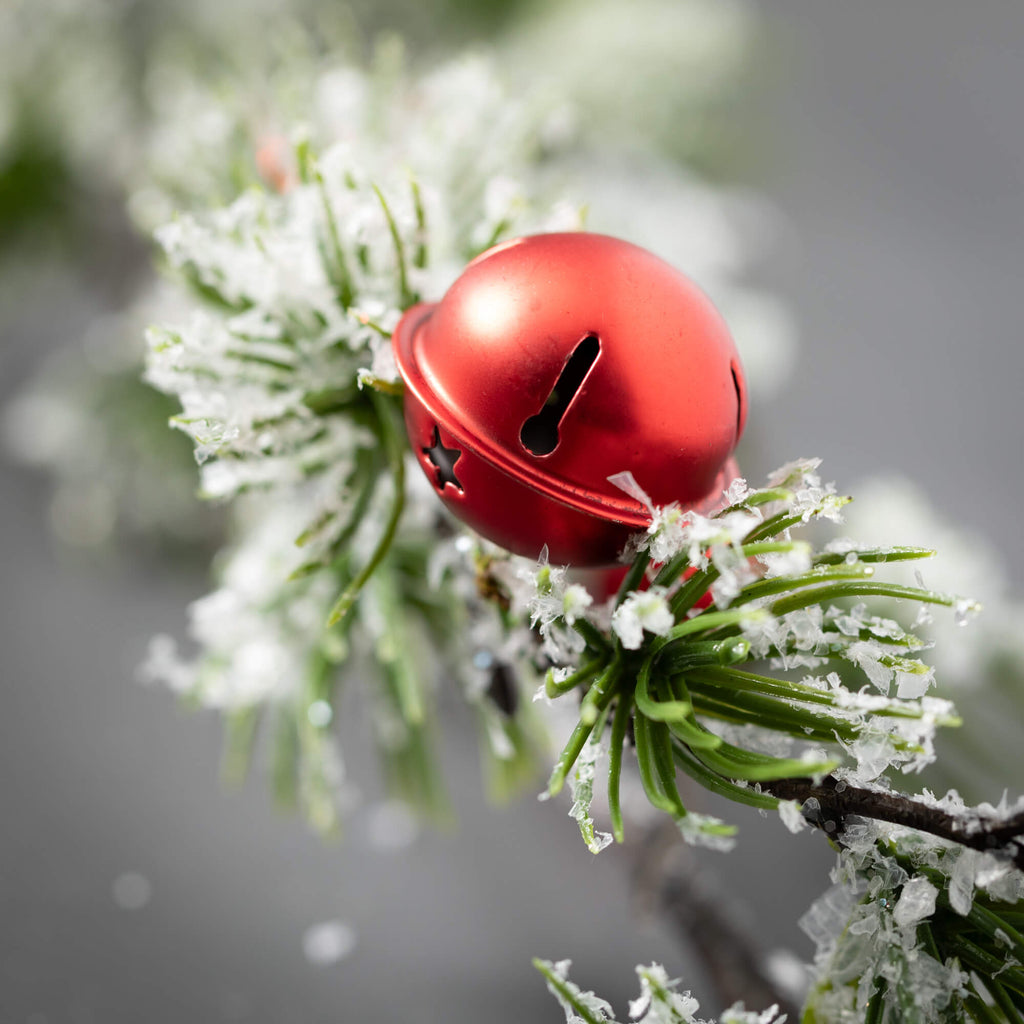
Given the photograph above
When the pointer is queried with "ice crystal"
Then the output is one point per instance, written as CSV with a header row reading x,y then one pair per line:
x,y
737,1014
581,786
553,605
916,902
553,598
641,612
787,563
962,880
707,831
571,997
792,818
658,1002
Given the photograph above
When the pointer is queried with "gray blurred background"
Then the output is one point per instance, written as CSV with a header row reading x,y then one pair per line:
x,y
891,138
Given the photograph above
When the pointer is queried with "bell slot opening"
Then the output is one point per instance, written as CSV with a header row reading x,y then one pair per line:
x,y
539,433
740,411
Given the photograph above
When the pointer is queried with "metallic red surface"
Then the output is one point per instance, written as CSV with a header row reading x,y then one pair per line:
x,y
660,393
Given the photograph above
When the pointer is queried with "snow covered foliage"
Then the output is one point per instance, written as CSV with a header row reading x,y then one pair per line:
x,y
309,281
917,929
659,1001
290,397
741,655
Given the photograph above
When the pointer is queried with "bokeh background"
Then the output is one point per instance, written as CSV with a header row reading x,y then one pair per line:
x,y
890,141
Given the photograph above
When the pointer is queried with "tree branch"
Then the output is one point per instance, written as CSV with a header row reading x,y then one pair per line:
x,y
837,799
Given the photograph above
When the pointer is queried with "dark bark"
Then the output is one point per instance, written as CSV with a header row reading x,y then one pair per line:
x,y
836,800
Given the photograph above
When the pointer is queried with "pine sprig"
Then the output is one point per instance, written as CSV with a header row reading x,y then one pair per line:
x,y
290,396
924,923
696,655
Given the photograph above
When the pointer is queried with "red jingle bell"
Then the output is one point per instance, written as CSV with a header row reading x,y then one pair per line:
x,y
554,362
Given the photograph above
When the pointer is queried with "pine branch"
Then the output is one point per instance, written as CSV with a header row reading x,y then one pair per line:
x,y
835,800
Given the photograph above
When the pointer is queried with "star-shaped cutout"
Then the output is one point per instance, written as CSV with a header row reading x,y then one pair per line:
x,y
444,460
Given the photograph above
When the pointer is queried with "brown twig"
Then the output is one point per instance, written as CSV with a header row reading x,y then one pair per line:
x,y
837,799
